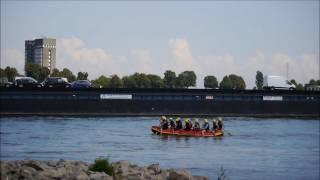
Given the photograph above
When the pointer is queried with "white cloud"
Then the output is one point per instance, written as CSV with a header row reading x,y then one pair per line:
x,y
77,56
141,61
12,58
183,55
302,68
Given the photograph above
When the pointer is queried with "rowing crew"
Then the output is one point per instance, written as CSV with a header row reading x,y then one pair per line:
x,y
166,123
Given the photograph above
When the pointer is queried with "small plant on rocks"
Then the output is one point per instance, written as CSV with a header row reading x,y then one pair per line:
x,y
222,174
102,165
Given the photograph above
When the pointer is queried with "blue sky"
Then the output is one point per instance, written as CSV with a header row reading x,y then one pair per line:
x,y
216,38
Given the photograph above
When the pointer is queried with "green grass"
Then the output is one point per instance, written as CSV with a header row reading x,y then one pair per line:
x,y
102,165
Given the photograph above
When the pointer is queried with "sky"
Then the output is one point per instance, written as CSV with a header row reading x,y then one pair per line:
x,y
209,37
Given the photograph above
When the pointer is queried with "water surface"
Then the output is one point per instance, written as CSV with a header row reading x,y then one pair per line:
x,y
258,148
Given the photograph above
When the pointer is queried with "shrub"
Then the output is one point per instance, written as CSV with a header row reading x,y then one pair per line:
x,y
102,165
222,174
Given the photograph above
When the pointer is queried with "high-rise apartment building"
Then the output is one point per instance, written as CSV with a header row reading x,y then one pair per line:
x,y
41,51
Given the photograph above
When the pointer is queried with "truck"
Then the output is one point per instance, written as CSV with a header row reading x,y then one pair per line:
x,y
272,82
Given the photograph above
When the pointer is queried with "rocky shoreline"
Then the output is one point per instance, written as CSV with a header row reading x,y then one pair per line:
x,y
65,169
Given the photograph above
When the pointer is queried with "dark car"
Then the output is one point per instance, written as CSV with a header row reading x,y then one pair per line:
x,y
81,84
26,82
56,82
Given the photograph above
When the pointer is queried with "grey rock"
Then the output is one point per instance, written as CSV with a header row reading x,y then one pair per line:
x,y
179,175
99,176
155,168
201,178
37,165
82,176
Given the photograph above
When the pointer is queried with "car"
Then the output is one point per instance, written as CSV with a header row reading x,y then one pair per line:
x,y
56,82
81,84
26,82
5,83
277,82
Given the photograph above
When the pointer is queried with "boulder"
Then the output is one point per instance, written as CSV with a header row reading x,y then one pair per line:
x,y
155,168
99,176
201,178
37,165
179,175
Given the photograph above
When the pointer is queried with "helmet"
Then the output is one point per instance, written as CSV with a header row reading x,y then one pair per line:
x,y
220,118
170,119
197,120
206,120
178,119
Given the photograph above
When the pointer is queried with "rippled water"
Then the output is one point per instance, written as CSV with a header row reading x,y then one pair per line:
x,y
257,149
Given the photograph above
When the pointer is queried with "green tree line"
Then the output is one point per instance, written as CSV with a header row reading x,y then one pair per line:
x,y
184,79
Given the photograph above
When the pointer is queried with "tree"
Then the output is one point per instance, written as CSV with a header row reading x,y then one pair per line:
x,y
190,78
55,73
237,82
294,82
115,82
259,80
10,73
2,73
142,80
155,81
82,76
169,79
43,73
226,83
180,81
33,70
210,82
312,82
101,81
67,74
299,87
129,82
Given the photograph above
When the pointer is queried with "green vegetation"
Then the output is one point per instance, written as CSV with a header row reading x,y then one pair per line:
x,y
64,73
101,82
102,165
210,82
232,82
115,82
259,80
185,79
299,87
82,76
222,174
36,71
9,72
169,79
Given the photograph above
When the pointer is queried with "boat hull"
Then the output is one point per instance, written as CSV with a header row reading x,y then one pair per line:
x,y
197,133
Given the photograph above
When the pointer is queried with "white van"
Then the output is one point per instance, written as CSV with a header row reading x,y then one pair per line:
x,y
277,82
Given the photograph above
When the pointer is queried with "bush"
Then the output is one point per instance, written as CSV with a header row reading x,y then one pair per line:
x,y
102,165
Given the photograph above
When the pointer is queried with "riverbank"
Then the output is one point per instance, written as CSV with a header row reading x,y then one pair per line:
x,y
64,169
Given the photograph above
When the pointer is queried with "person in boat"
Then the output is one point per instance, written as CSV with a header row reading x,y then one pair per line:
x,y
206,125
214,125
196,125
190,124
172,123
178,124
220,123
164,123
187,125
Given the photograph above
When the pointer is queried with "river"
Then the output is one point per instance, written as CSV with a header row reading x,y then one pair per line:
x,y
259,148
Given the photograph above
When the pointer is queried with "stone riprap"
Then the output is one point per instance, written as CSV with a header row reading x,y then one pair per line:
x,y
63,169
